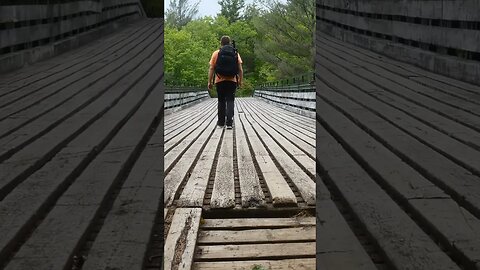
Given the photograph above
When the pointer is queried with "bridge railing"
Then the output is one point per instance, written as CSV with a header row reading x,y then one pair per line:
x,y
32,30
179,97
294,94
441,36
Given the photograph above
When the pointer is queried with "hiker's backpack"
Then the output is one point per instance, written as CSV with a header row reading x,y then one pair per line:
x,y
227,61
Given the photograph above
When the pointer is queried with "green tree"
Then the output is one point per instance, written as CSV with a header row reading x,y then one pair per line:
x,y
286,32
275,42
181,12
185,62
251,11
231,9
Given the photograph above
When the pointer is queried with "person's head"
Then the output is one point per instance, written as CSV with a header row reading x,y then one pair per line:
x,y
225,40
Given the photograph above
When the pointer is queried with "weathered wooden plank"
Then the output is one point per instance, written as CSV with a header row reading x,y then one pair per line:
x,y
35,75
294,151
176,151
223,194
256,235
454,223
83,199
76,95
290,127
257,223
286,129
28,75
398,75
173,119
455,67
439,101
452,177
183,232
124,237
457,151
452,90
176,175
401,75
46,83
180,118
278,187
406,245
399,175
433,117
257,251
50,143
426,199
250,188
302,121
194,190
303,125
303,182
404,68
430,204
54,251
297,264
181,133
337,246
41,188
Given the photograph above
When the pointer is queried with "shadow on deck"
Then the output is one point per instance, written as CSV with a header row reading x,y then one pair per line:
x,y
81,156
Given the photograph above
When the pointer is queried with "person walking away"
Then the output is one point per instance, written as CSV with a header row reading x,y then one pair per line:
x,y
226,67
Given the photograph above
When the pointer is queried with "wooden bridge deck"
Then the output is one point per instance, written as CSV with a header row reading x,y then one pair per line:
x,y
246,195
81,156
201,160
399,148
397,175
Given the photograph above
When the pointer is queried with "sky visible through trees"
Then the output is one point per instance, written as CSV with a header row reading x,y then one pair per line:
x,y
274,38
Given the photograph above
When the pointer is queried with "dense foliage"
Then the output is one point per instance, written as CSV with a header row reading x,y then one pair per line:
x,y
181,12
275,41
231,9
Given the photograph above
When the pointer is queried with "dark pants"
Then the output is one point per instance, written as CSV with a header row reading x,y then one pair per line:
x,y
226,98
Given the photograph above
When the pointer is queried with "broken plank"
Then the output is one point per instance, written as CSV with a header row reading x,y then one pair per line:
x,y
181,238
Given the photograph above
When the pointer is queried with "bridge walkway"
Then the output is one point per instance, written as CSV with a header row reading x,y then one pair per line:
x,y
80,156
245,198
400,146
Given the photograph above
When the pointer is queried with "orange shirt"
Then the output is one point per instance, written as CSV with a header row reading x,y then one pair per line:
x,y
218,78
